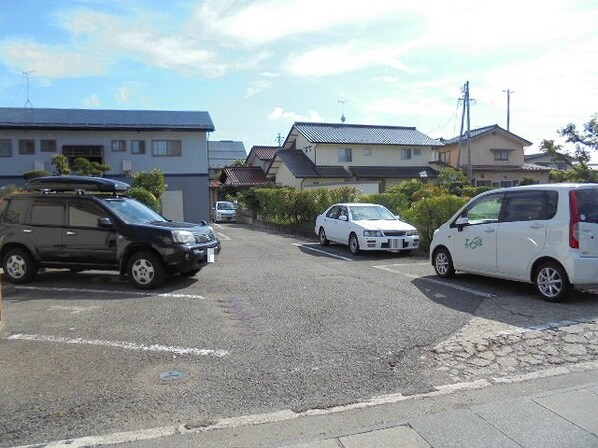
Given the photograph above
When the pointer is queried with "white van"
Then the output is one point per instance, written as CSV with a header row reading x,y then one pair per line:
x,y
542,234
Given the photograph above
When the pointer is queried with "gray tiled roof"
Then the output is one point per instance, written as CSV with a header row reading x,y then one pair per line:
x,y
301,166
24,117
339,133
225,152
474,133
298,163
396,172
524,167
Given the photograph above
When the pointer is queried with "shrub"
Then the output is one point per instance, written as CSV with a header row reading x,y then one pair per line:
x,y
153,181
430,213
146,197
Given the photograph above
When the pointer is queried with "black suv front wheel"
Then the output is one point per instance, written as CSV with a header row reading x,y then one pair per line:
x,y
19,266
145,271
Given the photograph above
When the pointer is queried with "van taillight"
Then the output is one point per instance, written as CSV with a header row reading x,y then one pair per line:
x,y
573,220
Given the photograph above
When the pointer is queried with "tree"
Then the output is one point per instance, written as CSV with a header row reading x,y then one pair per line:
x,y
452,180
585,141
153,181
61,163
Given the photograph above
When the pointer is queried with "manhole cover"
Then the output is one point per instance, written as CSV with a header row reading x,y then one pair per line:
x,y
172,375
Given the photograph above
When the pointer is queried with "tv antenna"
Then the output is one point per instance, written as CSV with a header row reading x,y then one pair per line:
x,y
28,103
342,103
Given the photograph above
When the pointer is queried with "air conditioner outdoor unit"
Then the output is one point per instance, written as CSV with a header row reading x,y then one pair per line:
x,y
127,165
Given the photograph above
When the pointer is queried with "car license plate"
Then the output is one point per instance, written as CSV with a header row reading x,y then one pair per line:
x,y
210,255
395,243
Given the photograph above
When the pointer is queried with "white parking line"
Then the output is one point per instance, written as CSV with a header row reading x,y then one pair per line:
x,y
322,252
473,291
110,291
224,237
119,344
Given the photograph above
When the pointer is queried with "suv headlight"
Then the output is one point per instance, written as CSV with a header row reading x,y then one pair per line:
x,y
411,233
182,236
372,233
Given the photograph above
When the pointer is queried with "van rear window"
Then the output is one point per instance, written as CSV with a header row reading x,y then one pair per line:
x,y
587,202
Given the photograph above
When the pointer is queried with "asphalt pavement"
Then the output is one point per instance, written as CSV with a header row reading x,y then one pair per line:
x,y
550,409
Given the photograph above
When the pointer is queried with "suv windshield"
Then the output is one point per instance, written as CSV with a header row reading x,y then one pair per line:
x,y
133,212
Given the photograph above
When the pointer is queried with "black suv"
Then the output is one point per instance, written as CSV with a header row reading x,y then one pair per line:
x,y
80,223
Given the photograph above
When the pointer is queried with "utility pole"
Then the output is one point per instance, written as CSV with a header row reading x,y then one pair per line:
x,y
279,139
465,118
508,92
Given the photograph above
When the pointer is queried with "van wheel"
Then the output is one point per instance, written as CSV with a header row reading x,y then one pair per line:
x,y
19,266
323,240
552,282
354,244
145,271
443,263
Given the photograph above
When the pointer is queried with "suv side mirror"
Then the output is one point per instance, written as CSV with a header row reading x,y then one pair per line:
x,y
461,221
104,223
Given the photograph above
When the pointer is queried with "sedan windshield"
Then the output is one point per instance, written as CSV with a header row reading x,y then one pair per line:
x,y
370,212
133,212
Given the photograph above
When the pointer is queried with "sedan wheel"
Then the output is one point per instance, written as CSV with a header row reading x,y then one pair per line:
x,y
354,244
323,240
552,282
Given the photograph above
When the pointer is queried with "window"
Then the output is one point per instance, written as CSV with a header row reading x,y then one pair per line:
x,y
506,183
166,148
16,212
405,154
530,206
83,215
501,155
137,146
5,148
345,155
118,146
26,146
485,210
483,183
417,152
47,214
48,145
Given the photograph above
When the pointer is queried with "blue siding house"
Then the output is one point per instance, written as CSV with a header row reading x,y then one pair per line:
x,y
129,141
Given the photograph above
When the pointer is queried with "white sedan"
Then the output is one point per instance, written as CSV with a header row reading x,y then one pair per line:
x,y
365,227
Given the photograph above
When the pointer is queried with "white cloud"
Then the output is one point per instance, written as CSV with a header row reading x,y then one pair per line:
x,y
280,114
257,87
124,95
50,61
337,59
260,22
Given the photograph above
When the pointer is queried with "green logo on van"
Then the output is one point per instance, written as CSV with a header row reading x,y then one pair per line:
x,y
474,243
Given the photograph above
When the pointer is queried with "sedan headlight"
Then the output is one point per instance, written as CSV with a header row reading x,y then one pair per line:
x,y
182,236
371,233
411,233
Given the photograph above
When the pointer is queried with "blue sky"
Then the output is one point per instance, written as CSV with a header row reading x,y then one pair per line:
x,y
257,66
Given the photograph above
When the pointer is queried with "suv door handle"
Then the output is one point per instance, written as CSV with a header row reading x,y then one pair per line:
x,y
70,232
27,230
536,226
